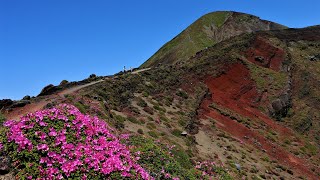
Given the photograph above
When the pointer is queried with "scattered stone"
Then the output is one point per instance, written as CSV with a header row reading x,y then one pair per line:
x,y
314,58
259,59
5,165
184,133
238,166
264,150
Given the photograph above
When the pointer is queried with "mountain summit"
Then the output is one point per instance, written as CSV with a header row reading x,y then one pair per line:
x,y
208,30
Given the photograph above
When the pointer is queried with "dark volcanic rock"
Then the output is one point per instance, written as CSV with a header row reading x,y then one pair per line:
x,y
26,98
21,103
4,103
48,90
281,106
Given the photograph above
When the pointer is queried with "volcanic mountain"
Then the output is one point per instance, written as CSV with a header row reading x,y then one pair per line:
x,y
231,89
208,30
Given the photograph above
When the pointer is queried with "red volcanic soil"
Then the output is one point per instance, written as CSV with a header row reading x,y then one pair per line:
x,y
265,54
236,91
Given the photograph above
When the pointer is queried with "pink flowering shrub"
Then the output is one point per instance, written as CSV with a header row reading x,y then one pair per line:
x,y
211,170
62,143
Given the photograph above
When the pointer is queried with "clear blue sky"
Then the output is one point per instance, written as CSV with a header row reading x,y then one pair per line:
x,y
45,41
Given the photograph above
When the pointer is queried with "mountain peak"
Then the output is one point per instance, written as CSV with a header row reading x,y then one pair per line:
x,y
208,30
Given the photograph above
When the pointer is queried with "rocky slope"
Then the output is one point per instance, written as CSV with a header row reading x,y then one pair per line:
x,y
249,103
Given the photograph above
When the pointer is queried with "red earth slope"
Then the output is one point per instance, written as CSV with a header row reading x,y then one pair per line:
x,y
235,91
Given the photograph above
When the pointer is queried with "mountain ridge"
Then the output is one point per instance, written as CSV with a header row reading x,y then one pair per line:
x,y
206,31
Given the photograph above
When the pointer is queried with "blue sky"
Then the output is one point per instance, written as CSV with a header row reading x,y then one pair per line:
x,y
44,42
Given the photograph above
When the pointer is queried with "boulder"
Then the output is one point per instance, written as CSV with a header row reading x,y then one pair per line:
x,y
48,90
21,103
26,97
63,82
280,106
5,103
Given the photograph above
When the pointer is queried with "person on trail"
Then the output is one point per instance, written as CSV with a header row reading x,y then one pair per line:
x,y
124,68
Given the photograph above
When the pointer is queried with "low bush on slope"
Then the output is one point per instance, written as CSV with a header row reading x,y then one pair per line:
x,y
63,143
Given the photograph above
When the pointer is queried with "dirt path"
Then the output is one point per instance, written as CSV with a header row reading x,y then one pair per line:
x,y
140,70
18,112
77,88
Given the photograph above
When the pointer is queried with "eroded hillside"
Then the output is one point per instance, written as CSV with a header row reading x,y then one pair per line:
x,y
249,103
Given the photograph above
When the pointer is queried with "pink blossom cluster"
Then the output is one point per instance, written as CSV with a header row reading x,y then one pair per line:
x,y
207,168
93,146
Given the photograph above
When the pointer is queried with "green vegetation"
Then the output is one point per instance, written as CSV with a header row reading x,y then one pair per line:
x,y
267,79
156,157
153,134
140,131
176,132
190,41
133,120
142,103
2,118
82,107
119,121
182,94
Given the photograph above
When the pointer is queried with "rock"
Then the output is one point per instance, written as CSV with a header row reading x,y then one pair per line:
x,y
184,133
259,59
238,166
5,165
5,103
21,103
27,97
92,76
48,90
314,58
280,106
63,82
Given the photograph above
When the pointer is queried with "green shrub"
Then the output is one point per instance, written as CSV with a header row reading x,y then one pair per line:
x,y
64,82
176,132
158,108
150,118
153,134
2,119
119,121
133,120
140,131
82,108
145,94
156,158
182,94
142,103
182,122
151,126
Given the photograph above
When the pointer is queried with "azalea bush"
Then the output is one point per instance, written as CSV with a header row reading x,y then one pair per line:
x,y
63,143
211,170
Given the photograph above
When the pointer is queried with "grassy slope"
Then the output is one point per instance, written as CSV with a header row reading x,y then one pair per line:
x,y
191,40
196,37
